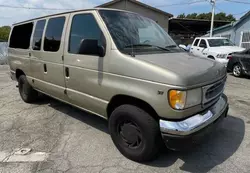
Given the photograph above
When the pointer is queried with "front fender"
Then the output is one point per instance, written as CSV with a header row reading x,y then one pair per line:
x,y
213,54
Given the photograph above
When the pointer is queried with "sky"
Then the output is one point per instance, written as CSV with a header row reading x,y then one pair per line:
x,y
8,16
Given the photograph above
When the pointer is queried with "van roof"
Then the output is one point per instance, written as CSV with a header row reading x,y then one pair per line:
x,y
67,12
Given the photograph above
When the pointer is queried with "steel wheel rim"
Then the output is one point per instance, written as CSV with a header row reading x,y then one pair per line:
x,y
135,140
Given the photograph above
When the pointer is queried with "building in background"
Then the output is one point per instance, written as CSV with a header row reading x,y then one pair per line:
x,y
183,31
159,16
238,32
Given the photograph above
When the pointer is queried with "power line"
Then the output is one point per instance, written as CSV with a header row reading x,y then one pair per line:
x,y
241,13
182,3
239,2
234,14
41,8
32,8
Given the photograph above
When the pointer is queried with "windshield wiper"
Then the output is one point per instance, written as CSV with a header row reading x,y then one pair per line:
x,y
146,45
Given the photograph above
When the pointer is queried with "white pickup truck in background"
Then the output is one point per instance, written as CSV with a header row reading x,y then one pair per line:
x,y
217,48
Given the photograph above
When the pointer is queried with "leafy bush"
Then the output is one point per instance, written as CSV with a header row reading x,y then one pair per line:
x,y
4,33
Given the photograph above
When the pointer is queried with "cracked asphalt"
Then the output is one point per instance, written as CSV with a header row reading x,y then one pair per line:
x,y
79,143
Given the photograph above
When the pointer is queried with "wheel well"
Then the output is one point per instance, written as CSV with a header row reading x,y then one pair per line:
x,y
236,64
211,57
119,100
19,73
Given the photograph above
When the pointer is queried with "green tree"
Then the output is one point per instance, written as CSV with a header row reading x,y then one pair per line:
x,y
192,16
4,33
204,16
207,16
230,17
182,16
220,16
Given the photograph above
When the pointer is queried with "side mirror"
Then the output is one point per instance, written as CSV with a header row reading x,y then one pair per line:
x,y
91,47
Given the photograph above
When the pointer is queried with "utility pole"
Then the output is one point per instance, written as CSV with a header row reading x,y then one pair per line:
x,y
212,19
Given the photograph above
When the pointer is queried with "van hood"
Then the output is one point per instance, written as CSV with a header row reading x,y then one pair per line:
x,y
188,70
225,49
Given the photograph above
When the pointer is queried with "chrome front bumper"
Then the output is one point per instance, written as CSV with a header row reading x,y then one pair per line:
x,y
196,122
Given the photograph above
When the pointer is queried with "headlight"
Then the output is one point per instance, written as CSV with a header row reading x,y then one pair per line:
x,y
184,99
177,99
221,55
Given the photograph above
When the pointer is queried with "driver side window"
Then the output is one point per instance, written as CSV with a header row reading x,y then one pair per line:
x,y
84,26
203,44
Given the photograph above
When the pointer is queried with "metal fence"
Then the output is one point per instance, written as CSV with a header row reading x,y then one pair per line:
x,y
3,52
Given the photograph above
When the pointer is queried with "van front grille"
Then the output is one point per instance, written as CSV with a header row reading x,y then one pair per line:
x,y
213,91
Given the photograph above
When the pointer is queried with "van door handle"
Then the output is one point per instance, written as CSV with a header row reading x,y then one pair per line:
x,y
198,49
45,68
67,72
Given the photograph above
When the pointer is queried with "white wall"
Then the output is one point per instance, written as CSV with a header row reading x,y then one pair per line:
x,y
242,27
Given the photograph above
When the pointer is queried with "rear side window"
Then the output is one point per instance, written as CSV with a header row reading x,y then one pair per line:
x,y
20,36
196,42
84,26
53,34
37,38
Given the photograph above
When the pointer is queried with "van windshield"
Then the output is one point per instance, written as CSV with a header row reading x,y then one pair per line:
x,y
134,33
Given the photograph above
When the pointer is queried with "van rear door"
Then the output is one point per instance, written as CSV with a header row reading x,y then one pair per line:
x,y
19,48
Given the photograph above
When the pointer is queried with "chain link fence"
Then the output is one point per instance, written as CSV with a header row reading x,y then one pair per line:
x,y
3,52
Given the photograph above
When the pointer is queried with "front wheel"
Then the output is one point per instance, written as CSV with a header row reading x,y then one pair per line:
x,y
27,93
237,70
135,133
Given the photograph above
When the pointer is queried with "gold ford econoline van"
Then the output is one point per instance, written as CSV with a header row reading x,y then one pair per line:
x,y
125,68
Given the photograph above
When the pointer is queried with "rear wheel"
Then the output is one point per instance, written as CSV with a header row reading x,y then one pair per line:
x,y
135,133
237,70
27,93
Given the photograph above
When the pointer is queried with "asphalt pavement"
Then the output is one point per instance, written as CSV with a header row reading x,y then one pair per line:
x,y
52,137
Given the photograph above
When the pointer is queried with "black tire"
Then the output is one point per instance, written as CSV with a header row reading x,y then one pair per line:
x,y
237,70
27,93
129,123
